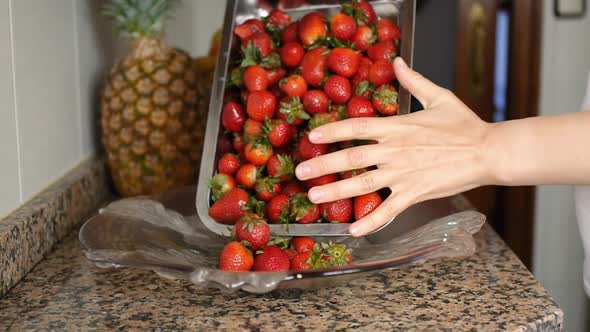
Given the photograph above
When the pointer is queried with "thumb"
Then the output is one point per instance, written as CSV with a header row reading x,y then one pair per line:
x,y
416,84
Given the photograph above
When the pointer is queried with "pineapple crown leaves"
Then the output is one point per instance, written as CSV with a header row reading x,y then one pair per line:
x,y
293,110
135,19
300,204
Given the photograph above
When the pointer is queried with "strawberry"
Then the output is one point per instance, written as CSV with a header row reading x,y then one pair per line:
x,y
344,61
261,104
349,174
233,117
312,28
293,188
315,101
314,66
359,107
321,181
339,211
365,204
338,89
308,150
235,257
225,145
290,34
362,11
292,111
291,253
278,209
381,73
339,111
303,210
255,78
258,152
262,42
238,143
275,75
343,26
278,131
385,50
302,244
385,100
293,86
248,28
228,164
388,31
272,258
363,38
252,229
291,54
336,254
252,129
362,74
247,176
277,20
281,166
321,119
267,188
301,261
230,207
220,185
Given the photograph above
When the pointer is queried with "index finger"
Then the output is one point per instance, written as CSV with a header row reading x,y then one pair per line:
x,y
351,129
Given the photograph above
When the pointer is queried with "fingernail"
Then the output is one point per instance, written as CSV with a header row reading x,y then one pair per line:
x,y
315,195
402,63
302,171
315,136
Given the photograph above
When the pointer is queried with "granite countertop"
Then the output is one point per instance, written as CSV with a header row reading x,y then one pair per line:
x,y
491,290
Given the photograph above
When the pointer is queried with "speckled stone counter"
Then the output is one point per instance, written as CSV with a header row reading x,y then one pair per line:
x,y
490,291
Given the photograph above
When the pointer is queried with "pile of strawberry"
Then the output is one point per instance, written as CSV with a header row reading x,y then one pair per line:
x,y
292,77
252,249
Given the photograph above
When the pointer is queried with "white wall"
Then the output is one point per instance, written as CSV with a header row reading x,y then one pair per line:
x,y
53,57
558,250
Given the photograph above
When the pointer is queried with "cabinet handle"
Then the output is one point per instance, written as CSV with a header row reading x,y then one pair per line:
x,y
477,27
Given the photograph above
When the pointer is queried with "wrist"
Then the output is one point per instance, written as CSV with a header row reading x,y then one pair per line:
x,y
499,164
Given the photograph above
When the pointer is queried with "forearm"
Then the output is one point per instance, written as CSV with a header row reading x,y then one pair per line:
x,y
542,150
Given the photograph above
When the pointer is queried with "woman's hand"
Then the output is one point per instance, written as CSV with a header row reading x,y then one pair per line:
x,y
430,154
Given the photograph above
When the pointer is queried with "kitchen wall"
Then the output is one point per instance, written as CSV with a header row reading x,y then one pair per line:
x,y
558,254
53,56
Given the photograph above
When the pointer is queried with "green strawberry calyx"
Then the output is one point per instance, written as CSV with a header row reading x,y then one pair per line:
x,y
300,206
287,166
386,96
293,110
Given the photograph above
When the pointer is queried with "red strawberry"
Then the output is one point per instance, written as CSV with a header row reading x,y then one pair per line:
x,y
344,61
252,229
362,11
385,100
291,253
336,254
339,111
349,174
225,145
381,73
267,188
363,38
343,26
292,111
293,188
272,258
255,78
362,74
233,117
385,50
281,166
360,107
230,207
338,89
278,209
293,86
278,131
228,164
248,28
290,34
309,150
275,75
388,31
235,257
303,210
247,175
238,143
339,211
365,204
315,101
261,104
258,152
252,129
321,181
314,66
302,244
277,20
301,261
321,119
311,28
291,54
261,40
220,185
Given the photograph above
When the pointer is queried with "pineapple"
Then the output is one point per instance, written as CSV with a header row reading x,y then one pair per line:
x,y
152,127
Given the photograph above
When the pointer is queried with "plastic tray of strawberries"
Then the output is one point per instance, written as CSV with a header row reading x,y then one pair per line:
x,y
260,109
